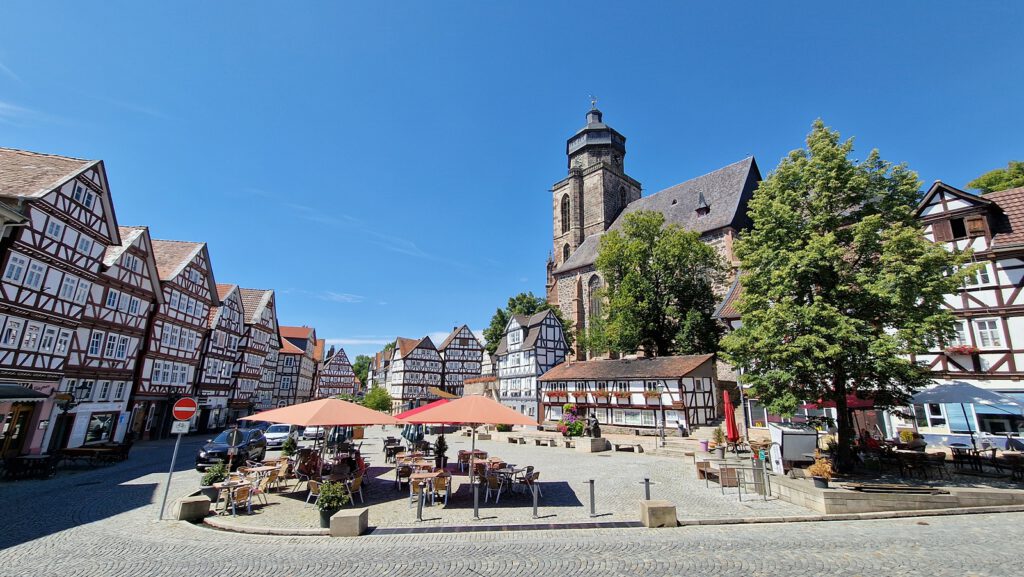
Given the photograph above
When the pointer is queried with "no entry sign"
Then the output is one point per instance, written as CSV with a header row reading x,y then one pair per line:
x,y
184,409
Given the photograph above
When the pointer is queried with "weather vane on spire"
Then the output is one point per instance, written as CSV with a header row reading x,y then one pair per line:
x,y
593,102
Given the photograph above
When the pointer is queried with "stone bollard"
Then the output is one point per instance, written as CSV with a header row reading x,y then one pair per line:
x,y
657,513
192,508
350,522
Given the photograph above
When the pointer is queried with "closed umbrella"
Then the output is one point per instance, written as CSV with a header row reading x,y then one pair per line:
x,y
731,432
473,410
961,393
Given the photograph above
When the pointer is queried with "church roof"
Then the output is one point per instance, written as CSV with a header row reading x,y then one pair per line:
x,y
723,192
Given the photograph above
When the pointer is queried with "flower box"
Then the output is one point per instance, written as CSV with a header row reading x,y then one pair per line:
x,y
961,350
622,394
556,394
652,394
601,394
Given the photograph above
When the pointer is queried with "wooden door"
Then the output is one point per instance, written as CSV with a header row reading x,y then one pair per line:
x,y
15,429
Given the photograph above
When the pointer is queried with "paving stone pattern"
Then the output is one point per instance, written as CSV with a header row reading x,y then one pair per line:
x,y
102,522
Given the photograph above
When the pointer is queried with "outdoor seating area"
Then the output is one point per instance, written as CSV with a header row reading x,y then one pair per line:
x,y
46,465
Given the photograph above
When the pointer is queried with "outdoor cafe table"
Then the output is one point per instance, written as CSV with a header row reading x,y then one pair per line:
x,y
261,471
965,454
228,488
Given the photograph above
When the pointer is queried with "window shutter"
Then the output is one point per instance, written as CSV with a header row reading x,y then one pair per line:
x,y
941,231
975,226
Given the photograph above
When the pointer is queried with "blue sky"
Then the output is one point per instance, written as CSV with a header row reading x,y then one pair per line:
x,y
386,166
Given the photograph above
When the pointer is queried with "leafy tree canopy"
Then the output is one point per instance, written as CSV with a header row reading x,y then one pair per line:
x,y
839,284
378,399
521,304
390,346
659,288
1000,179
361,367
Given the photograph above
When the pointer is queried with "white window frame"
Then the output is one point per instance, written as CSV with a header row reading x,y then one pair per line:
x,y
960,331
111,347
82,293
63,342
103,390
133,306
48,340
54,229
119,391
122,347
33,332
96,343
67,287
36,275
989,338
112,299
84,245
16,267
12,333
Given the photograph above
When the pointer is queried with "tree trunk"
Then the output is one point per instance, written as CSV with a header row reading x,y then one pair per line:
x,y
844,461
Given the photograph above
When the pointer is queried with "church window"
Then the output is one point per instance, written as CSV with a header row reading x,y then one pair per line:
x,y
565,253
593,291
565,213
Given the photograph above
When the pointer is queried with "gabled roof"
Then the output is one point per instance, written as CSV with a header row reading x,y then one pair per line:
x,y
253,303
455,333
531,326
296,332
31,175
172,256
223,292
128,236
1009,227
727,308
289,349
318,350
939,186
725,193
657,367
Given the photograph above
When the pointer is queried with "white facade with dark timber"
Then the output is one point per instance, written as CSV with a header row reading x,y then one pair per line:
x,y
335,376
461,356
626,395
415,367
58,222
170,363
987,350
295,366
220,358
105,347
531,347
256,377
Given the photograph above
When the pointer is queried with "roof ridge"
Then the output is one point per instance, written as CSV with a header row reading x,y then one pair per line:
x,y
706,174
46,154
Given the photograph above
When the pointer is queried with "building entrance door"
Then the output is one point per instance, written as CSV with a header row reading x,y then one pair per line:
x,y
15,429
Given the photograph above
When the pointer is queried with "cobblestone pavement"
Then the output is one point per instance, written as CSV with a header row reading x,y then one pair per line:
x,y
103,522
564,473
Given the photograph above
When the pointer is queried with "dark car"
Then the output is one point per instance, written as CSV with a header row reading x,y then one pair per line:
x,y
250,443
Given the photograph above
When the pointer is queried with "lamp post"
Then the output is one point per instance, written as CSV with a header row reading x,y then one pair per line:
x,y
66,402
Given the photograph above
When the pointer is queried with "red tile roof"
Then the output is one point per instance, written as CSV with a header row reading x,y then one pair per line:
x,y
296,332
1010,231
290,349
253,301
224,289
405,346
25,174
318,350
658,367
727,310
173,255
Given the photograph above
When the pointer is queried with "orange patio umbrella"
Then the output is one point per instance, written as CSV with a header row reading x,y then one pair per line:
x,y
473,410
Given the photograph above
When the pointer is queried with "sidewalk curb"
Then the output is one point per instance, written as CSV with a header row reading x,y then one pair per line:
x,y
225,525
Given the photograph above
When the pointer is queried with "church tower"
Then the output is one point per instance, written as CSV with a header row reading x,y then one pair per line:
x,y
595,192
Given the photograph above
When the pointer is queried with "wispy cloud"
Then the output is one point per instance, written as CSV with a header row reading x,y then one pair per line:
x,y
341,297
14,114
10,73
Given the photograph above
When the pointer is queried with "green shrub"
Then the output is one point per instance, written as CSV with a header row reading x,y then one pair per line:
x,y
289,447
504,428
332,497
215,474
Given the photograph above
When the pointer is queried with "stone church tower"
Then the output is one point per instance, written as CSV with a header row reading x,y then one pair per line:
x,y
597,189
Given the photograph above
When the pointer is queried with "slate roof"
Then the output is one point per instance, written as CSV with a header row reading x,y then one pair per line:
x,y
173,255
725,191
25,174
253,302
1009,229
531,325
620,369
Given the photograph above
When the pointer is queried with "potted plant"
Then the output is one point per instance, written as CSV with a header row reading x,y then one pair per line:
x,y
440,448
718,436
332,498
821,472
215,474
289,446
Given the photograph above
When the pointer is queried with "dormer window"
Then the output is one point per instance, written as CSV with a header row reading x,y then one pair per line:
x,y
702,205
958,228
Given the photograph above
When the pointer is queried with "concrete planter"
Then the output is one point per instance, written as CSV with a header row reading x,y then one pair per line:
x,y
325,517
820,482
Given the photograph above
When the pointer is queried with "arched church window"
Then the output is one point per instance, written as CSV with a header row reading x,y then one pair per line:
x,y
593,293
565,253
565,213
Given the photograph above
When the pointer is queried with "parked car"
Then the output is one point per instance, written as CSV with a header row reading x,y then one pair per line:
x,y
313,433
251,445
261,425
276,435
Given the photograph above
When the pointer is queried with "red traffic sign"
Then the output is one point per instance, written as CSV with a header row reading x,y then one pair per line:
x,y
185,408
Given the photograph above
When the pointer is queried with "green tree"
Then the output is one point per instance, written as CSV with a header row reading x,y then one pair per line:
x,y
1000,179
839,284
390,346
521,304
378,399
659,283
361,367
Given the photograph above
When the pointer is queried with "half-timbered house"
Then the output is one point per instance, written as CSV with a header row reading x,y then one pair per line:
x,y
415,367
377,372
256,377
100,371
295,365
221,361
61,221
461,356
170,363
531,347
987,349
335,376
630,394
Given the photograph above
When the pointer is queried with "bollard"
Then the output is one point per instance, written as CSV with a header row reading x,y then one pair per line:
x,y
593,510
476,501
534,487
647,489
419,503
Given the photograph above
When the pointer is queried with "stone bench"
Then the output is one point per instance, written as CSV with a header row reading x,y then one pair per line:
x,y
349,522
517,440
635,447
657,513
192,508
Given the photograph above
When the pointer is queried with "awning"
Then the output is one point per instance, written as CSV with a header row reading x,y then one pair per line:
x,y
959,392
10,393
441,394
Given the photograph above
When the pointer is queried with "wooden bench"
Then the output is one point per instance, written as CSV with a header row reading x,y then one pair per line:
x,y
634,447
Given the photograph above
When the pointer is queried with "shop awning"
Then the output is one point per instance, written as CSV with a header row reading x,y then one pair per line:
x,y
11,393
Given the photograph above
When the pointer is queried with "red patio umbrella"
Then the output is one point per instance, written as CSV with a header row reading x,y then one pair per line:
x,y
418,410
731,432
